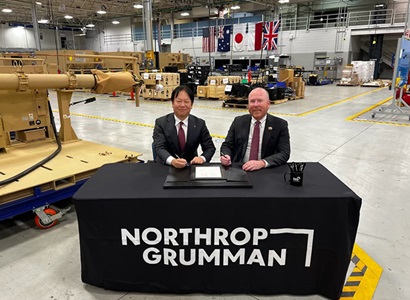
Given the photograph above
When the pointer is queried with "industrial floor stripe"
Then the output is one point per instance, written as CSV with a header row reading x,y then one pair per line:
x,y
363,279
338,102
353,117
244,110
126,122
159,102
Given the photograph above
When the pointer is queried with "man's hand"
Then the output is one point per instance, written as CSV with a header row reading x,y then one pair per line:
x,y
253,165
226,160
197,161
179,163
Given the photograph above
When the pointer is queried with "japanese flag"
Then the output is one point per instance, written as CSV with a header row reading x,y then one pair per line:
x,y
239,37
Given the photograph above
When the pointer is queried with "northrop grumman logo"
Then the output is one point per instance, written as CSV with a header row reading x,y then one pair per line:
x,y
183,246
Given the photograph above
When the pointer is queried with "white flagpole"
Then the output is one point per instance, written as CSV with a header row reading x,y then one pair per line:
x,y
232,44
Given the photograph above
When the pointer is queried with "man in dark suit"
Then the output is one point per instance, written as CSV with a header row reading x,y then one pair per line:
x,y
178,135
258,139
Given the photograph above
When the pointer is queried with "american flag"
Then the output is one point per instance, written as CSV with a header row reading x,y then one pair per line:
x,y
270,35
208,39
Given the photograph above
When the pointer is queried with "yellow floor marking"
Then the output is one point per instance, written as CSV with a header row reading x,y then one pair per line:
x,y
364,278
338,102
272,113
353,117
127,122
369,109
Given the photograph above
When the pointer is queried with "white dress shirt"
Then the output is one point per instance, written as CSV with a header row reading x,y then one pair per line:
x,y
185,127
248,147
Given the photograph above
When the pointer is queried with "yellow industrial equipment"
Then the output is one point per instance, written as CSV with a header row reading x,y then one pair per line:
x,y
56,163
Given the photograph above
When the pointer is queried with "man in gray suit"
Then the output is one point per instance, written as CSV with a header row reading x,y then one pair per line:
x,y
178,135
258,139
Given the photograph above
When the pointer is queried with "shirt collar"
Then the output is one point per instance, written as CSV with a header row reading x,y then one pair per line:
x,y
261,120
183,121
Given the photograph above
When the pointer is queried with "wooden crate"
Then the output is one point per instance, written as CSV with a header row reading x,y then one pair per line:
x,y
216,92
214,80
202,91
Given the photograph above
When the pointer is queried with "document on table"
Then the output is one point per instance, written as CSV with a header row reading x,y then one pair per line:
x,y
208,172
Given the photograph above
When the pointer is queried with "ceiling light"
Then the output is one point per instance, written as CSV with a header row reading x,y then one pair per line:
x,y
43,21
235,7
138,6
115,22
283,1
68,17
103,10
38,3
6,10
91,25
184,14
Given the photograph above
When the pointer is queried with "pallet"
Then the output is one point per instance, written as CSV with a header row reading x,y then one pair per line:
x,y
296,98
376,83
346,84
234,105
77,161
280,101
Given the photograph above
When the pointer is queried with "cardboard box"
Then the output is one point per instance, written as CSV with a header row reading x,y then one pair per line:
x,y
31,135
287,76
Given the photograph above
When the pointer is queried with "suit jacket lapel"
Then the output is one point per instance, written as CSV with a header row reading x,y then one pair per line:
x,y
267,133
192,131
172,131
245,134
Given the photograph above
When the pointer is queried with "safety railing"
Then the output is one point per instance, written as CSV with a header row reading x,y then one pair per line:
x,y
359,19
385,17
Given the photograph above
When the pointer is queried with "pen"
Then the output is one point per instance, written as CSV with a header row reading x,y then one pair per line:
x,y
223,154
177,156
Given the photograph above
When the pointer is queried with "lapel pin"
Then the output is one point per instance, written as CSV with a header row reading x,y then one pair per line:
x,y
269,128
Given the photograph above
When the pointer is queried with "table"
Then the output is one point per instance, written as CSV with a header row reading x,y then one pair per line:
x,y
270,239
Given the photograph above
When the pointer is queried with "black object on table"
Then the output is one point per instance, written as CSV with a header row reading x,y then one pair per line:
x,y
185,178
270,239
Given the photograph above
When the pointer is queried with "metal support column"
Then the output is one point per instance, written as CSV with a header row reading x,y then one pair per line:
x,y
35,24
149,49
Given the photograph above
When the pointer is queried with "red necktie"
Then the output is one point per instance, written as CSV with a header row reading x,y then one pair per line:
x,y
181,137
255,142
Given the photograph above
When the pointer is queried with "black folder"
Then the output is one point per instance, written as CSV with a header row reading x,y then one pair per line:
x,y
186,178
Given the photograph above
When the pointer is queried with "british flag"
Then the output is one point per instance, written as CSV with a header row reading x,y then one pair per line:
x,y
220,32
270,35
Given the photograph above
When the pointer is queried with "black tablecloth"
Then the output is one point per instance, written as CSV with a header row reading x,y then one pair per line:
x,y
273,238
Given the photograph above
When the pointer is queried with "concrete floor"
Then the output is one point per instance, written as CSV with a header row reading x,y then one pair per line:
x,y
370,155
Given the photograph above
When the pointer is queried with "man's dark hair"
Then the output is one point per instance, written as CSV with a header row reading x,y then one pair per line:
x,y
183,88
